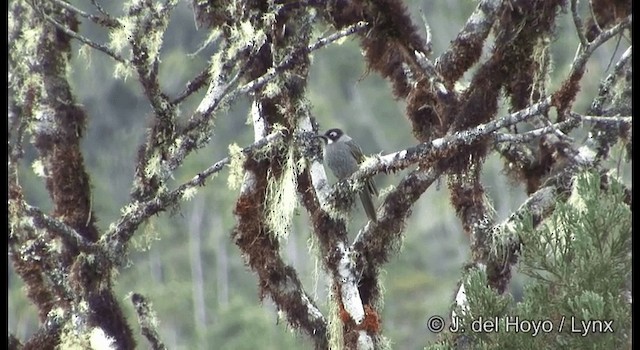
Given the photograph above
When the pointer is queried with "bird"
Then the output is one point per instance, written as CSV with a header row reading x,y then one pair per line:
x,y
343,156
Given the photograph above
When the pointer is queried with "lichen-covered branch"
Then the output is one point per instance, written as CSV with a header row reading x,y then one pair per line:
x,y
577,21
194,136
537,207
72,33
266,179
359,322
105,20
375,243
614,98
605,92
69,235
148,321
565,96
261,250
262,50
439,148
56,271
122,231
466,49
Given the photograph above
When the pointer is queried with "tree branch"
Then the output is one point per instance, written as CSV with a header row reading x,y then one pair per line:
x,y
193,85
566,94
106,21
536,133
261,249
51,225
102,48
223,93
436,149
466,49
580,61
137,212
577,21
371,247
148,321
605,90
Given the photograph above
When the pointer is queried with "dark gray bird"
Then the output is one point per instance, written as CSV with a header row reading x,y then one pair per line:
x,y
343,156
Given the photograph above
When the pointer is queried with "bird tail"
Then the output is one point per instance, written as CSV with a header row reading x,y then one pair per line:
x,y
367,204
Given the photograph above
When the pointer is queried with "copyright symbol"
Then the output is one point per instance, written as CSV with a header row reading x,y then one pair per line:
x,y
435,324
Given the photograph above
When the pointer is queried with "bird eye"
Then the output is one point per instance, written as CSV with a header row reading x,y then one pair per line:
x,y
333,134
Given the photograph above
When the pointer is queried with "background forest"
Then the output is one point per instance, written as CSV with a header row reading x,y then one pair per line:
x,y
184,261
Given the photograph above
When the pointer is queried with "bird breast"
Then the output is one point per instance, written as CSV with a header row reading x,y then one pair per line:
x,y
339,159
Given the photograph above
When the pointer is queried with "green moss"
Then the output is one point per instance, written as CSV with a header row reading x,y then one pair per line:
x,y
236,169
281,200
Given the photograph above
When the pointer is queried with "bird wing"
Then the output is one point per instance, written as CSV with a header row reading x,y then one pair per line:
x,y
356,151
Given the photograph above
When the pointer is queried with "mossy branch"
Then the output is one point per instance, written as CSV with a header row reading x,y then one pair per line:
x,y
148,321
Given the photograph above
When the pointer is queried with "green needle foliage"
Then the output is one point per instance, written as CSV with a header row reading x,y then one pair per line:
x,y
577,290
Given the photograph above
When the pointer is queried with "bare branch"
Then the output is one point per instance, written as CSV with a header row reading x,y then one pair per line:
x,y
427,30
101,10
618,120
577,21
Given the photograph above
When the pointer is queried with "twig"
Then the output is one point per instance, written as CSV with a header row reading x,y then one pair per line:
x,y
289,59
100,9
577,21
146,62
199,179
593,15
428,44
